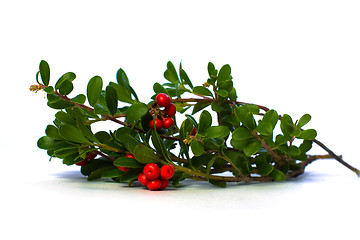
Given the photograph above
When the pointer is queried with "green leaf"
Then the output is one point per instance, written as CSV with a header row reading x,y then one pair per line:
x,y
211,69
287,125
242,133
129,175
222,93
112,173
96,174
144,154
49,89
65,118
111,99
66,87
201,90
240,161
217,131
224,74
277,175
123,80
192,119
102,136
127,162
85,130
304,120
58,103
170,74
93,90
263,167
199,106
71,133
271,117
281,139
218,183
124,136
264,128
309,134
44,72
158,88
245,115
251,148
135,112
53,132
197,148
123,93
185,77
160,146
205,121
80,98
209,166
294,150
48,143
69,76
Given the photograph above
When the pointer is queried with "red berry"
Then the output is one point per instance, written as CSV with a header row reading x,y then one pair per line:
x,y
158,124
168,122
129,155
163,100
170,110
167,171
82,163
124,169
154,184
151,171
164,184
91,156
142,179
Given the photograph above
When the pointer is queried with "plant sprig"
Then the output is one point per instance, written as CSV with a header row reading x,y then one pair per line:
x,y
242,147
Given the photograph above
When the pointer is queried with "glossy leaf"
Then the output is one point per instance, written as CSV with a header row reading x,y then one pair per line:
x,y
287,125
111,99
251,148
271,117
123,80
202,91
197,148
144,154
308,134
69,76
263,167
186,78
205,121
127,162
80,98
158,88
304,120
242,133
85,130
218,183
224,74
264,128
49,143
44,72
123,93
211,68
170,74
93,90
277,175
245,115
71,133
135,112
199,106
53,132
217,131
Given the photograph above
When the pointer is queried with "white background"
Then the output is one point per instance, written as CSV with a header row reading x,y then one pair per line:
x,y
294,56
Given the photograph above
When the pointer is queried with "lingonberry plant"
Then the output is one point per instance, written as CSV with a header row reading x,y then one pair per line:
x,y
151,147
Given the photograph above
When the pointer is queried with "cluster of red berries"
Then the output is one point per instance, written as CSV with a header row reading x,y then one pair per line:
x,y
89,157
164,120
155,178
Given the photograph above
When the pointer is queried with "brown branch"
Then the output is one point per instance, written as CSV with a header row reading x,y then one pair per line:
x,y
337,158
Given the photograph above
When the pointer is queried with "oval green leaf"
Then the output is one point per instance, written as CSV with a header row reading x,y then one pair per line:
x,y
93,90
